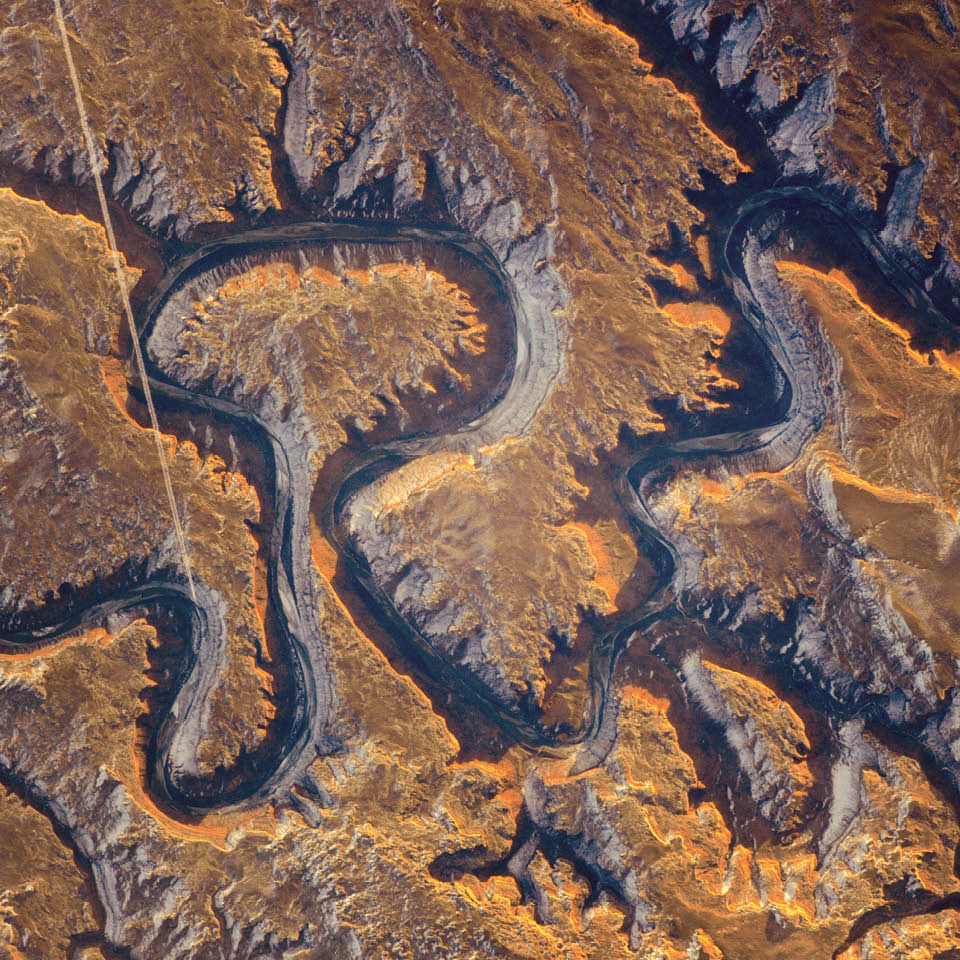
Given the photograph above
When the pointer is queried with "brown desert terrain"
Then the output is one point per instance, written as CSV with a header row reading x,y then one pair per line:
x,y
561,406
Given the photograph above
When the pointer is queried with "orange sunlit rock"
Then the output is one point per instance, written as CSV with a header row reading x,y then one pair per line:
x,y
560,403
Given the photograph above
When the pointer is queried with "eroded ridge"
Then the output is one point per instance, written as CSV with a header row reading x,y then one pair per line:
x,y
751,741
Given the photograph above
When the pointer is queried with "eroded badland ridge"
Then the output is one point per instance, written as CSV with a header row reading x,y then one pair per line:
x,y
561,401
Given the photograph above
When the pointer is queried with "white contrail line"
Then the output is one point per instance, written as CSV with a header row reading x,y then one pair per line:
x,y
124,296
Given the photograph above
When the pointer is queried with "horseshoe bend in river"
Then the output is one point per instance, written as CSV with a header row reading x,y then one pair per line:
x,y
796,413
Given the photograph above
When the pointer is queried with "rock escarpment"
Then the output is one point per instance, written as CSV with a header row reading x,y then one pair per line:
x,y
575,539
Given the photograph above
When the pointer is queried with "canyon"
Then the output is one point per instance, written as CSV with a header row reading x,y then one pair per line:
x,y
561,405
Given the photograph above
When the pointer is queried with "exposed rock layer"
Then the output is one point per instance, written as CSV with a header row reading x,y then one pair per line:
x,y
759,538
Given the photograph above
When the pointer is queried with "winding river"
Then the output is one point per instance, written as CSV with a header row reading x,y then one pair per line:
x,y
796,412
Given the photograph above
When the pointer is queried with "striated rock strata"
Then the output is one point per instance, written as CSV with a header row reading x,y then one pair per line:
x,y
561,404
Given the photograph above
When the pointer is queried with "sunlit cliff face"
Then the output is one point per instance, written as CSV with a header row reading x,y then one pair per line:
x,y
608,552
